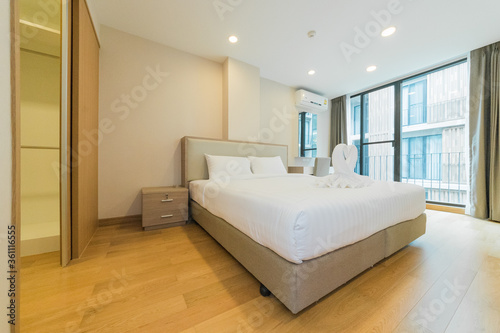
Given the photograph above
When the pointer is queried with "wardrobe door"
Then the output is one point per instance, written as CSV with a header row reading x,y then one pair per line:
x,y
84,129
65,172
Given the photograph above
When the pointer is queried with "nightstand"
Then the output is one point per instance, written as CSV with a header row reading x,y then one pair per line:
x,y
301,169
164,207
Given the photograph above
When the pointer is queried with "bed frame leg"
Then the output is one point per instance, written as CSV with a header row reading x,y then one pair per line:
x,y
264,291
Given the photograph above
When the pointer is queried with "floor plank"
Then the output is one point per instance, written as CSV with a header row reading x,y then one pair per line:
x,y
181,280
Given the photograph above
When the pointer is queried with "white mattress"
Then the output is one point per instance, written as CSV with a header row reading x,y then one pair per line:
x,y
293,217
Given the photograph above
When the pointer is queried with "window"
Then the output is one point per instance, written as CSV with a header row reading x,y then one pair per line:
x,y
414,100
356,118
357,168
308,134
421,158
355,126
373,132
413,130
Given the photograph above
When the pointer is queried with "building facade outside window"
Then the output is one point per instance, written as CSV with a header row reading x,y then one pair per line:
x,y
308,134
429,138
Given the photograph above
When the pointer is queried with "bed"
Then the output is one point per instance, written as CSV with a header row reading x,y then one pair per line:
x,y
297,280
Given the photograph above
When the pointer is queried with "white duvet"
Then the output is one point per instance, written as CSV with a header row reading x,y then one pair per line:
x,y
293,217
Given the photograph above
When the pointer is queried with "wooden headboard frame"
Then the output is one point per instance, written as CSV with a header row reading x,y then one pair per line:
x,y
194,165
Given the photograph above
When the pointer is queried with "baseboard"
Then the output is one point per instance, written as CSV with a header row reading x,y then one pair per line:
x,y
449,209
30,247
121,220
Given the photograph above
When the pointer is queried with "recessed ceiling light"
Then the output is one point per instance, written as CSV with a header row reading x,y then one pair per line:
x,y
371,68
233,39
311,72
389,31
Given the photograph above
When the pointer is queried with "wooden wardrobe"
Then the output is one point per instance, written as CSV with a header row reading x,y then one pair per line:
x,y
84,127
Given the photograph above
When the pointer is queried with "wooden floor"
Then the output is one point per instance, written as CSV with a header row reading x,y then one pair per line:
x,y
181,280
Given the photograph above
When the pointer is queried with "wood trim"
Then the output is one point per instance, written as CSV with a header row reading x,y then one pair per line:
x,y
16,142
121,220
84,119
65,172
15,76
449,209
93,24
75,252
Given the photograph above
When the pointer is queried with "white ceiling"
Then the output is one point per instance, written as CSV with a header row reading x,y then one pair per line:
x,y
273,35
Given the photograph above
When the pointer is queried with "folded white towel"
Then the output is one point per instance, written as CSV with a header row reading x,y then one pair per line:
x,y
344,158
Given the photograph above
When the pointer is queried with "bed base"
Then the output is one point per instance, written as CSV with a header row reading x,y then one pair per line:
x,y
299,285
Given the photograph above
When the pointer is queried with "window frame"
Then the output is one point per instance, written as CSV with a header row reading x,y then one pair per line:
x,y
302,136
398,121
424,102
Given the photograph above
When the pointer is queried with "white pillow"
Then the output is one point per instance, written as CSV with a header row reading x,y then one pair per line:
x,y
272,165
223,166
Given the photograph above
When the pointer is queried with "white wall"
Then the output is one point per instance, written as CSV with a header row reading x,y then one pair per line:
x,y
278,116
242,90
5,155
143,120
95,19
324,133
278,107
144,115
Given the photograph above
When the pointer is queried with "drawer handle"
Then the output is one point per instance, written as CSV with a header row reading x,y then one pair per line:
x,y
167,200
166,216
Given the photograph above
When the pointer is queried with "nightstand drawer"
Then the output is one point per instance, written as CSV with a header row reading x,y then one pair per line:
x,y
167,206
167,199
163,217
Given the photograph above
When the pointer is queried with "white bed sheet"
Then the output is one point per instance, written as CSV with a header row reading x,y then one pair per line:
x,y
299,221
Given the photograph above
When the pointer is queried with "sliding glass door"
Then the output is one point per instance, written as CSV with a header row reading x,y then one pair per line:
x,y
413,131
433,144
377,145
373,113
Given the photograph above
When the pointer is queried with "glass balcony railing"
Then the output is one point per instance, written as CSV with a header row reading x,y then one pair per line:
x,y
443,175
435,112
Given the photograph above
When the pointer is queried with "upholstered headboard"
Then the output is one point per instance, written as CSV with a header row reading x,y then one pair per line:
x,y
194,165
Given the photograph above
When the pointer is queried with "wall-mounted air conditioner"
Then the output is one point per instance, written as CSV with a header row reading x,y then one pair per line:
x,y
307,101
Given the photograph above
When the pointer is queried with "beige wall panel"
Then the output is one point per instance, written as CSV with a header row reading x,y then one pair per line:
x,y
243,100
278,116
151,96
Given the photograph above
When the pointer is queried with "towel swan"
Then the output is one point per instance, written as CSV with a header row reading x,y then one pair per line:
x,y
344,158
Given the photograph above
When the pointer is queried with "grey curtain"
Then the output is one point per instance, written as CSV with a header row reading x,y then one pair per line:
x,y
338,126
484,110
